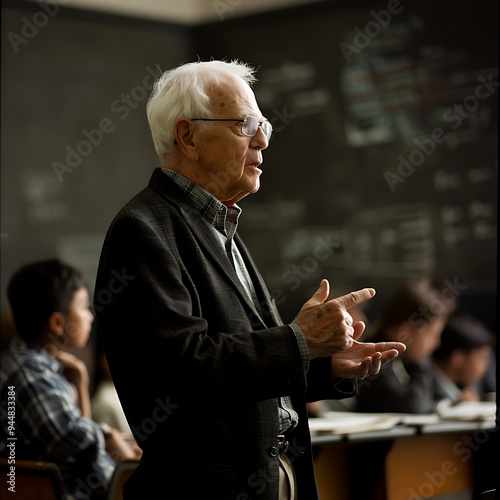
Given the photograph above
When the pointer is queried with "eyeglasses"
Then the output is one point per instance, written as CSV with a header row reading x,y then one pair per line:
x,y
249,127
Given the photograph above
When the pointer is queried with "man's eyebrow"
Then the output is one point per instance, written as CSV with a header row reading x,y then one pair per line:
x,y
260,120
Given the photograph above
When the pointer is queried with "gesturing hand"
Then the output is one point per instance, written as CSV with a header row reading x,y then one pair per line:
x,y
363,359
326,325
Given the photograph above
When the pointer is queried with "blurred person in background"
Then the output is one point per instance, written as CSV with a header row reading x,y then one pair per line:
x,y
462,359
416,315
50,307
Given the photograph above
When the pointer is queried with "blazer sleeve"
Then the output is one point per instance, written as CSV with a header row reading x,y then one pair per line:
x,y
153,324
321,385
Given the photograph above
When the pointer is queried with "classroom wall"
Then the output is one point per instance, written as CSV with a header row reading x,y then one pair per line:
x,y
75,140
373,175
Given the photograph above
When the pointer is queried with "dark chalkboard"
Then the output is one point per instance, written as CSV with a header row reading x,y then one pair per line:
x,y
383,165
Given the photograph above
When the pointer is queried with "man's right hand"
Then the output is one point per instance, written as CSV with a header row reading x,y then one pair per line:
x,y
326,325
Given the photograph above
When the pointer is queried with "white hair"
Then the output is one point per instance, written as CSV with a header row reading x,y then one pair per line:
x,y
183,92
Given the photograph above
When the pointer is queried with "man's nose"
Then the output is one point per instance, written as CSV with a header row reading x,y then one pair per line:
x,y
259,141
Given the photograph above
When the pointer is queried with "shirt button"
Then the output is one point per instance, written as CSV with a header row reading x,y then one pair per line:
x,y
274,452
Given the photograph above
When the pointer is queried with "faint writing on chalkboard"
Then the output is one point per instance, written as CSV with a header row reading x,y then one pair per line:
x,y
307,252
405,87
43,198
475,221
292,85
449,181
394,241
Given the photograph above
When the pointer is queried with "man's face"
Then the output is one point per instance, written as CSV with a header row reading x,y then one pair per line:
x,y
228,159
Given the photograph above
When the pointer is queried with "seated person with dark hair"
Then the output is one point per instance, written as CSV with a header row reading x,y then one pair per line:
x,y
415,315
50,306
462,358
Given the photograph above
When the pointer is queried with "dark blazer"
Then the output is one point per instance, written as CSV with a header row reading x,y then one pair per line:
x,y
197,368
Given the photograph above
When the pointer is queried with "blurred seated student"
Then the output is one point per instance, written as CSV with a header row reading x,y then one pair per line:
x,y
50,306
487,386
415,315
462,359
106,406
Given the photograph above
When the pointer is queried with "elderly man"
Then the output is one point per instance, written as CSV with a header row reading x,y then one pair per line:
x,y
212,382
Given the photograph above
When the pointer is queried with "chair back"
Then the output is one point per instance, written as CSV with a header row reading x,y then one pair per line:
x,y
122,473
31,479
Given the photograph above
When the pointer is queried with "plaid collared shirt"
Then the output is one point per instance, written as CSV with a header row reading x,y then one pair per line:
x,y
222,218
225,221
48,424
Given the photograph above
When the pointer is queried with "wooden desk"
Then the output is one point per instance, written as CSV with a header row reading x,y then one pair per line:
x,y
403,463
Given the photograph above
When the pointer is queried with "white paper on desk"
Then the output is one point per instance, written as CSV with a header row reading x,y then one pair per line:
x,y
468,410
420,418
342,422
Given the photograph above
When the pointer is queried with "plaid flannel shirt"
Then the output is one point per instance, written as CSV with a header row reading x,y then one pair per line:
x,y
48,424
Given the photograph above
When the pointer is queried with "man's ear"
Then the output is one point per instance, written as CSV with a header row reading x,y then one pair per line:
x,y
57,323
184,137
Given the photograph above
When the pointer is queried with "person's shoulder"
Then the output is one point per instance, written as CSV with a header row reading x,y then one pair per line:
x,y
23,364
160,197
33,358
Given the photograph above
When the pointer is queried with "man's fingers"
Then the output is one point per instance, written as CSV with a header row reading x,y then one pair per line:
x,y
364,368
389,350
389,356
386,346
359,328
321,293
376,363
353,298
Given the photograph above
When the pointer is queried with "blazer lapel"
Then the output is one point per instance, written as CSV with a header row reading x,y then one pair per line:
x,y
265,299
205,236
212,245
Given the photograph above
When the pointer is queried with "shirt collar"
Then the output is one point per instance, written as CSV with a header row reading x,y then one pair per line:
x,y
42,356
224,219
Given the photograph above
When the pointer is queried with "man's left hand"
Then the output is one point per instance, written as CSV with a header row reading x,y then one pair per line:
x,y
364,358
